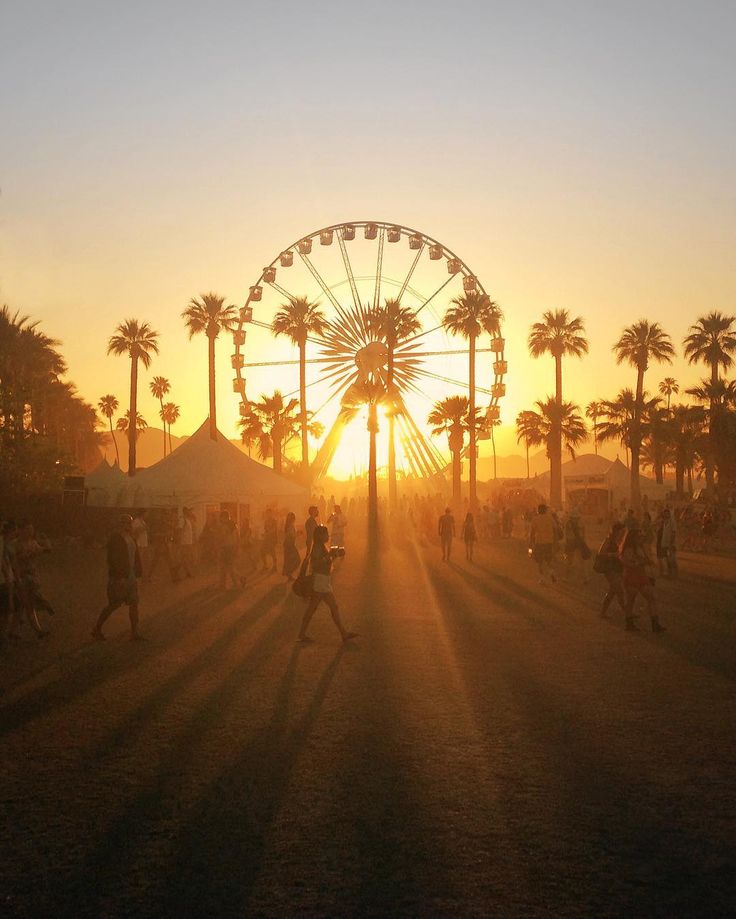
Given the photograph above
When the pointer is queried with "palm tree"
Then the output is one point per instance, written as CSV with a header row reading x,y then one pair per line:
x,y
139,341
277,419
123,424
669,387
170,414
209,316
527,429
392,324
712,341
557,423
160,387
593,411
251,431
468,316
450,416
559,335
490,424
108,405
620,415
685,434
298,319
639,344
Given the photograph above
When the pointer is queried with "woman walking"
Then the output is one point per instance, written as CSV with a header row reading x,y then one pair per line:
x,y
292,559
608,563
321,564
469,534
636,580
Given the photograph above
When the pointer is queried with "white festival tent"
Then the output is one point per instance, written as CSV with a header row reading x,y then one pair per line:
x,y
204,474
590,477
105,484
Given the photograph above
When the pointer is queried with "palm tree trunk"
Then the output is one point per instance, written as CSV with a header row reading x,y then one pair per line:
x,y
555,459
372,464
528,474
303,403
392,487
710,448
163,422
213,400
471,422
636,441
493,445
690,480
133,415
595,434
456,477
276,453
115,442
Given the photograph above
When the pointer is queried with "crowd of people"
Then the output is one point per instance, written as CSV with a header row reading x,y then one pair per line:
x,y
636,548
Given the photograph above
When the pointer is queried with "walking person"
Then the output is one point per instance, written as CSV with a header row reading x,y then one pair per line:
x,y
292,559
311,525
228,552
608,563
123,570
446,530
542,542
140,535
187,541
7,586
270,538
469,535
28,547
666,543
636,579
337,521
320,560
576,547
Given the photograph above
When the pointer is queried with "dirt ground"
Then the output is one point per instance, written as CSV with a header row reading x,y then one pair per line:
x,y
488,746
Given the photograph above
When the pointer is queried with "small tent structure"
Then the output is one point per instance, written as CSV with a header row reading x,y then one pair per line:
x,y
105,484
597,484
207,474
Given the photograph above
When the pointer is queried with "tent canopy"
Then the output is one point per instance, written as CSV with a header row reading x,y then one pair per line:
x,y
202,470
593,471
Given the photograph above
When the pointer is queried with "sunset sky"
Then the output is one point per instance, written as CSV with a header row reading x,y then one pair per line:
x,y
577,154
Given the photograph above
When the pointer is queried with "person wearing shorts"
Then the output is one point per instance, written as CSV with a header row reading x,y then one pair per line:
x,y
542,542
321,564
123,570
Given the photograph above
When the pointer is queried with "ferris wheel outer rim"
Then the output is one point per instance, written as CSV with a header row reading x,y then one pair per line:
x,y
381,224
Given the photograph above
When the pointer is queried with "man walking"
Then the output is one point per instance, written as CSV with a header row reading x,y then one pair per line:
x,y
311,525
542,542
123,570
446,530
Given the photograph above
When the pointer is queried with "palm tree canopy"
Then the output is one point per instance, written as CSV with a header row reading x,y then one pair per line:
x,y
170,413
712,340
642,342
299,318
565,416
159,387
136,339
620,416
392,323
471,314
451,412
123,423
209,315
722,392
108,405
527,428
669,386
558,334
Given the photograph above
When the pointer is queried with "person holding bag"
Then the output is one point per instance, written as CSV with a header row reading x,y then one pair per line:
x,y
321,558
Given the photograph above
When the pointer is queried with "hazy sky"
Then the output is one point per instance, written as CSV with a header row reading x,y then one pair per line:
x,y
577,155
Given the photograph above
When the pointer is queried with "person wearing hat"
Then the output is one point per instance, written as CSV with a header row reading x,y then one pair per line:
x,y
123,570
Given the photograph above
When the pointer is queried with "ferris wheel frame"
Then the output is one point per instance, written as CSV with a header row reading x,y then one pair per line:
x,y
382,232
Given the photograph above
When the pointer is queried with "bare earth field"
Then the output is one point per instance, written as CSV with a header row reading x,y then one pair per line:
x,y
487,746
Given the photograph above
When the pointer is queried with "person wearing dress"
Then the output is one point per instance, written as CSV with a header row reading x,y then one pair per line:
x,y
292,559
469,535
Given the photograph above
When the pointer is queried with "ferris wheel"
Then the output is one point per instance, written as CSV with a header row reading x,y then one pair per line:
x,y
353,271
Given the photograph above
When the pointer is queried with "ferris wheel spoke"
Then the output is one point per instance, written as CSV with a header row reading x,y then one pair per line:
x,y
436,376
431,454
435,294
463,351
319,279
379,267
348,267
411,272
